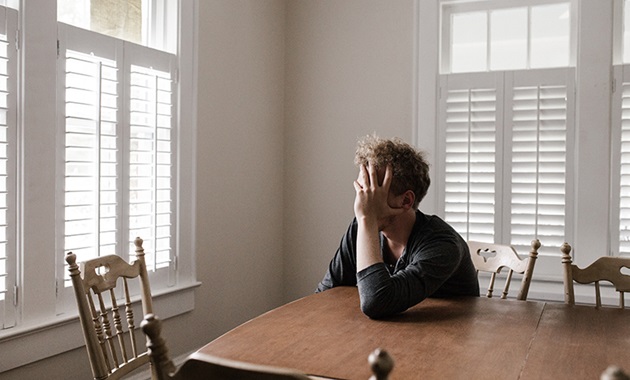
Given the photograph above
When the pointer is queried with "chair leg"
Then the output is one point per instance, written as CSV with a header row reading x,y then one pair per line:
x,y
598,295
491,286
506,288
569,296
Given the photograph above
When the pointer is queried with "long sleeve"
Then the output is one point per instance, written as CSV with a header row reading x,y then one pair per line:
x,y
342,268
436,262
431,266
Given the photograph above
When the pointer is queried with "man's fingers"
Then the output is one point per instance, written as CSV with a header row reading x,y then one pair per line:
x,y
363,179
389,174
368,176
373,174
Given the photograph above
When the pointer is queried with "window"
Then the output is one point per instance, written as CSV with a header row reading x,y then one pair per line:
x,y
8,164
151,23
500,35
506,124
620,216
103,127
118,101
621,161
505,138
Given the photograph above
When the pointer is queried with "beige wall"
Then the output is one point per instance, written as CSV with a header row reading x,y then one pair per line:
x,y
285,88
239,160
349,73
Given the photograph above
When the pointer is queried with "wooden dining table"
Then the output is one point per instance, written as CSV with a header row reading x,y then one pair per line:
x,y
326,334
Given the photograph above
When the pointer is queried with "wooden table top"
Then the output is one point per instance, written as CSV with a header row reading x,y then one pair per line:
x,y
326,334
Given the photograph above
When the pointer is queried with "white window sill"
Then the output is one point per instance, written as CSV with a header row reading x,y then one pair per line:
x,y
24,345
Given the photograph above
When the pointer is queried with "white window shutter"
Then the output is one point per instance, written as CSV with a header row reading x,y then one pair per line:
x,y
471,138
8,167
507,150
119,150
538,121
151,140
91,144
620,219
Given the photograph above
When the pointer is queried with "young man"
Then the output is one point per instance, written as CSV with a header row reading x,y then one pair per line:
x,y
395,254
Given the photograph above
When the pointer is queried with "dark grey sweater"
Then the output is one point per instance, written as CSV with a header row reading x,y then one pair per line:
x,y
436,263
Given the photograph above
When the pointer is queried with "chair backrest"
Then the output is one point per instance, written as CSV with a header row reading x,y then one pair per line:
x,y
111,342
492,258
605,268
202,366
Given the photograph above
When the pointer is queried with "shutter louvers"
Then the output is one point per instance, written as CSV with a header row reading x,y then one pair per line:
x,y
470,162
91,174
538,165
9,301
150,165
5,190
624,191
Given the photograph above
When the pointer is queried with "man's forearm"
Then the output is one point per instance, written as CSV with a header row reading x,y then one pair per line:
x,y
368,243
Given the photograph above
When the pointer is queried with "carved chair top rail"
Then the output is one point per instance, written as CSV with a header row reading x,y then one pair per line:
x,y
605,268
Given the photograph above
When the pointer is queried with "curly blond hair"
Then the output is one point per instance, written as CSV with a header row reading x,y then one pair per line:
x,y
410,169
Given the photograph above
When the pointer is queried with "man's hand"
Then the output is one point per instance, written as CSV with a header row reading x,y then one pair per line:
x,y
371,200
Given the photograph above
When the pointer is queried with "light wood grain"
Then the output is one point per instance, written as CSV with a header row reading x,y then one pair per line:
x,y
581,341
494,258
109,327
605,268
326,334
201,365
458,338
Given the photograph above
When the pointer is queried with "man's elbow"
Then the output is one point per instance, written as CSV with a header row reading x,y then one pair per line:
x,y
374,309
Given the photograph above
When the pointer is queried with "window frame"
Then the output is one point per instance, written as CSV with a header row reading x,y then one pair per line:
x,y
592,167
125,54
37,313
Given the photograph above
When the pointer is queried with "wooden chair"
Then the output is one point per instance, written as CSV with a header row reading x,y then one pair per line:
x,y
492,258
202,366
112,348
606,268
